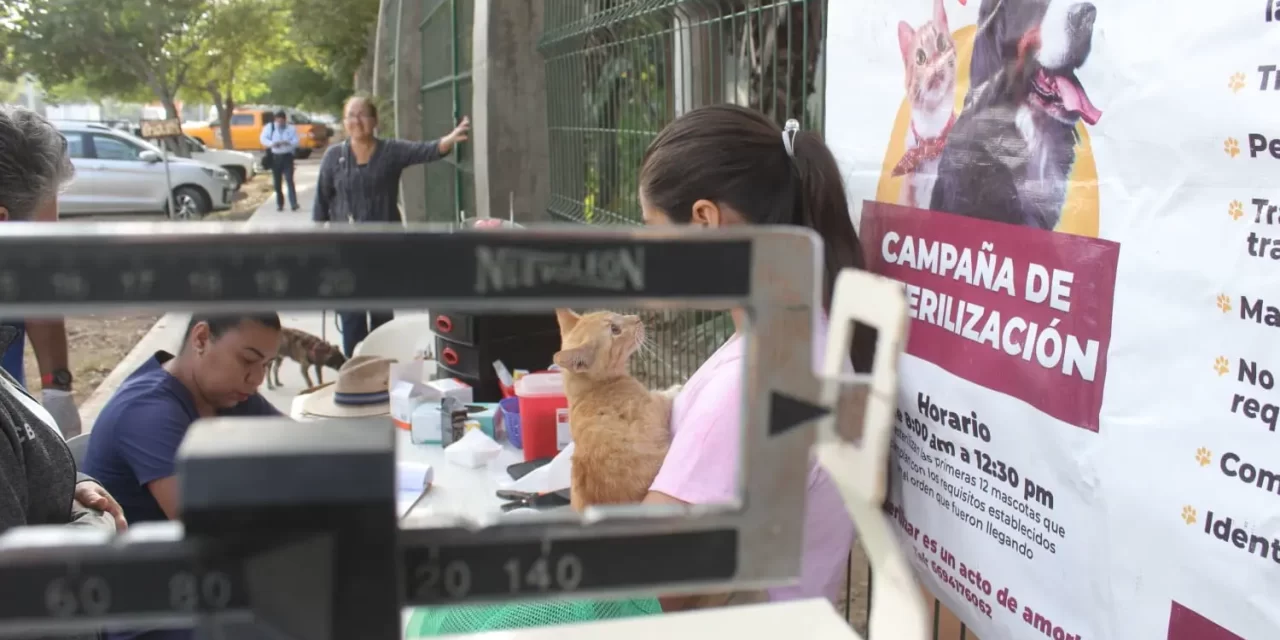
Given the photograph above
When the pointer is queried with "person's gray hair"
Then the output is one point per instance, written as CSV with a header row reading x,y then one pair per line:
x,y
34,164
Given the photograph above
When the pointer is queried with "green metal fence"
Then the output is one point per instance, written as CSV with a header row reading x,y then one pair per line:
x,y
617,71
445,34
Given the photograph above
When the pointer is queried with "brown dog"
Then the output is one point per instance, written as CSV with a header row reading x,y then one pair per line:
x,y
308,351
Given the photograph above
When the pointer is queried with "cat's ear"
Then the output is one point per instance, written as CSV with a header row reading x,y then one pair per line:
x,y
940,17
577,359
567,319
905,37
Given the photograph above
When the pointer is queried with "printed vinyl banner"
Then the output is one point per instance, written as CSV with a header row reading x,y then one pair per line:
x,y
1081,202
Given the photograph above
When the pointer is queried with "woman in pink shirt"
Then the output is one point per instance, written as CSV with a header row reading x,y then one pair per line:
x,y
720,166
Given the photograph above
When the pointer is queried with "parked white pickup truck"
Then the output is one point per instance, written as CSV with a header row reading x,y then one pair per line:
x,y
242,166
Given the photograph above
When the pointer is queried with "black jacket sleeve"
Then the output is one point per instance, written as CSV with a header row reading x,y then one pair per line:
x,y
325,187
409,152
13,475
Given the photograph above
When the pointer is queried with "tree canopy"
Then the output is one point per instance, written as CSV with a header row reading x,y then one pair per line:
x,y
303,53
244,40
302,85
113,46
334,35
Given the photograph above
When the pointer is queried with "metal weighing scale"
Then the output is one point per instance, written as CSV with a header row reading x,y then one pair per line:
x,y
319,555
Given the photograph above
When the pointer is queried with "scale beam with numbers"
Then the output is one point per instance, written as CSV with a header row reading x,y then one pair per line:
x,y
295,526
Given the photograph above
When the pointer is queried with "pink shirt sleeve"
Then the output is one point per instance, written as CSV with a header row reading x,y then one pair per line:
x,y
702,464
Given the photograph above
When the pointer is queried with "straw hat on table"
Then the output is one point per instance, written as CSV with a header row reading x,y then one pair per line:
x,y
362,391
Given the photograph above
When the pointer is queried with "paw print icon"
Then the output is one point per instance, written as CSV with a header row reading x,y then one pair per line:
x,y
1221,365
1203,456
1235,209
1189,514
1236,82
1231,146
1224,303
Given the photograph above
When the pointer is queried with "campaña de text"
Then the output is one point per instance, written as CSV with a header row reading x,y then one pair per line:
x,y
1015,336
1224,529
978,268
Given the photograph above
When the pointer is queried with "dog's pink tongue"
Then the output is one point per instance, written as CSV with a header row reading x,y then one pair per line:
x,y
1075,99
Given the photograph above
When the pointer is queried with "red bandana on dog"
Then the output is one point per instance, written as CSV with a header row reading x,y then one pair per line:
x,y
926,149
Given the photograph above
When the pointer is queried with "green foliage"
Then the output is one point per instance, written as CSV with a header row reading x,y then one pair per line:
x,y
334,35
294,52
112,46
10,92
81,90
297,84
243,42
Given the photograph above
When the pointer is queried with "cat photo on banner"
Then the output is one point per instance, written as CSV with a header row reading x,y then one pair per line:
x,y
929,54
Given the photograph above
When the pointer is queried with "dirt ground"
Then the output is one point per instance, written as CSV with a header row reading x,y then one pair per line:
x,y
95,343
252,194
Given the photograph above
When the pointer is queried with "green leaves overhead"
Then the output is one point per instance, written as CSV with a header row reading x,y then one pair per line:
x,y
113,46
305,50
334,34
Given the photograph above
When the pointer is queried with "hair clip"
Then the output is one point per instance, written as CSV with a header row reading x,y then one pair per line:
x,y
789,132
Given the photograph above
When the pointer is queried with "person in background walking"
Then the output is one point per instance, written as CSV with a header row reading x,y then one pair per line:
x,y
360,182
280,139
34,165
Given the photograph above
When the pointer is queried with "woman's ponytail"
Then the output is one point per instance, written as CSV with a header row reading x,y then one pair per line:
x,y
736,157
824,208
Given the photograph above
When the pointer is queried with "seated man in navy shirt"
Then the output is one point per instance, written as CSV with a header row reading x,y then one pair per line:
x,y
135,439
217,371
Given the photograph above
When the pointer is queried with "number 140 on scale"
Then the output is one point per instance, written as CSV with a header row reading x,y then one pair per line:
x,y
544,574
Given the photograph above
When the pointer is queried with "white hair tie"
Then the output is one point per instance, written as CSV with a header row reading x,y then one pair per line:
x,y
789,132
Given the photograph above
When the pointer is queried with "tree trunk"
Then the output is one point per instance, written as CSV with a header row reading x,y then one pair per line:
x,y
171,112
225,106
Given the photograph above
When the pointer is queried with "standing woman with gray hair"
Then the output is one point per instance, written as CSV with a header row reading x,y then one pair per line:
x,y
33,168
360,182
38,479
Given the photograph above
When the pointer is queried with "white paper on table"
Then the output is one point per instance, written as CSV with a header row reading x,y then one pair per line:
x,y
474,450
552,476
412,478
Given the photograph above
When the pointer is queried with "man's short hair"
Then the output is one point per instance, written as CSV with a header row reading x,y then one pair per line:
x,y
222,323
281,114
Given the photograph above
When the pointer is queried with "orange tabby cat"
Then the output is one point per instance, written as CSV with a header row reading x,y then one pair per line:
x,y
621,430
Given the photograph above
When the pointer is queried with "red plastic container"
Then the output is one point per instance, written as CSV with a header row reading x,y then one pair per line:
x,y
540,394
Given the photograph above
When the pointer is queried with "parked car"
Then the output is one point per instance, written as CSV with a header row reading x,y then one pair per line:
x,y
241,165
246,130
117,172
